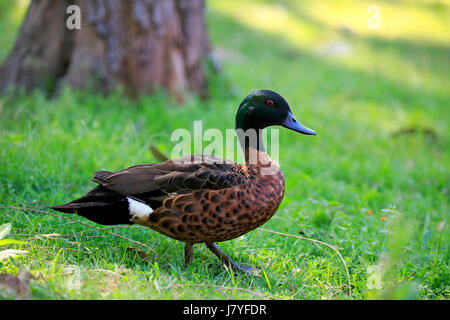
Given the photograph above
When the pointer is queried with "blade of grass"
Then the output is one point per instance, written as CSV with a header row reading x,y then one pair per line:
x,y
316,241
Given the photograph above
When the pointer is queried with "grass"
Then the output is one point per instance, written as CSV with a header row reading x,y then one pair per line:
x,y
380,199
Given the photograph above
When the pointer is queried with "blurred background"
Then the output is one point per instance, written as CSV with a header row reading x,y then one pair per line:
x,y
371,77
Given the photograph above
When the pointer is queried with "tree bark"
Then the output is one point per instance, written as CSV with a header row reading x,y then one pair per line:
x,y
140,45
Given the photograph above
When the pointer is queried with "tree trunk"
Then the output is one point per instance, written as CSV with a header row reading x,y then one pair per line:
x,y
140,45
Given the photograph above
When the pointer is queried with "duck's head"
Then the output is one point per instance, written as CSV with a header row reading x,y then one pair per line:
x,y
263,108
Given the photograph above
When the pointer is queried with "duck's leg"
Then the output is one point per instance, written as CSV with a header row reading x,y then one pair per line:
x,y
226,260
188,254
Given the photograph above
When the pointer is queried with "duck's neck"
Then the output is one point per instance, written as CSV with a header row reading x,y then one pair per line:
x,y
249,133
252,145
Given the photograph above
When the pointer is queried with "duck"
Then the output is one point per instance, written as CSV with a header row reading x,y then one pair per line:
x,y
199,198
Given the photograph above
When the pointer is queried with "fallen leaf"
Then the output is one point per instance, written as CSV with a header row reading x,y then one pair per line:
x,y
158,154
18,287
140,253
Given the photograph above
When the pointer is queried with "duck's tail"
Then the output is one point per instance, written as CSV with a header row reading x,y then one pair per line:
x,y
106,207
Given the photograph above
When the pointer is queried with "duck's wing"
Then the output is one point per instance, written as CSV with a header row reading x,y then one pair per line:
x,y
188,173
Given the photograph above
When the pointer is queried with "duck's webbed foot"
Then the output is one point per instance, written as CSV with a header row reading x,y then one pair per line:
x,y
188,254
227,261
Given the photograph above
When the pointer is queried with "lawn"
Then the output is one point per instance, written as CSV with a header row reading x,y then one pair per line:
x,y
373,183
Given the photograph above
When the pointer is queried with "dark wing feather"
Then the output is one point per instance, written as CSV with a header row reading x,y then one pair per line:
x,y
188,173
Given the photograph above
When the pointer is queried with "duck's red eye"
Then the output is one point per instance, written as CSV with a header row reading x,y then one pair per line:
x,y
270,103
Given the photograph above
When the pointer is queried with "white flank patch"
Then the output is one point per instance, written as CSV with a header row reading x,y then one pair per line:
x,y
138,209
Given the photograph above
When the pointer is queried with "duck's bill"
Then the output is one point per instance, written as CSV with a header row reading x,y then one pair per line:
x,y
293,124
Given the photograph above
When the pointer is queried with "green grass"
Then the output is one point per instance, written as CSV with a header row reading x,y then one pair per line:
x,y
389,79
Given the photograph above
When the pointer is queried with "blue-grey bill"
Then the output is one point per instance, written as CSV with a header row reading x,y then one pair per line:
x,y
293,124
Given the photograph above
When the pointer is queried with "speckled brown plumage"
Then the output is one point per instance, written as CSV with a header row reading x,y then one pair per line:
x,y
210,201
219,215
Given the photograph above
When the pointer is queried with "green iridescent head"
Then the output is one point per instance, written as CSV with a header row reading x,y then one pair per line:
x,y
264,108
